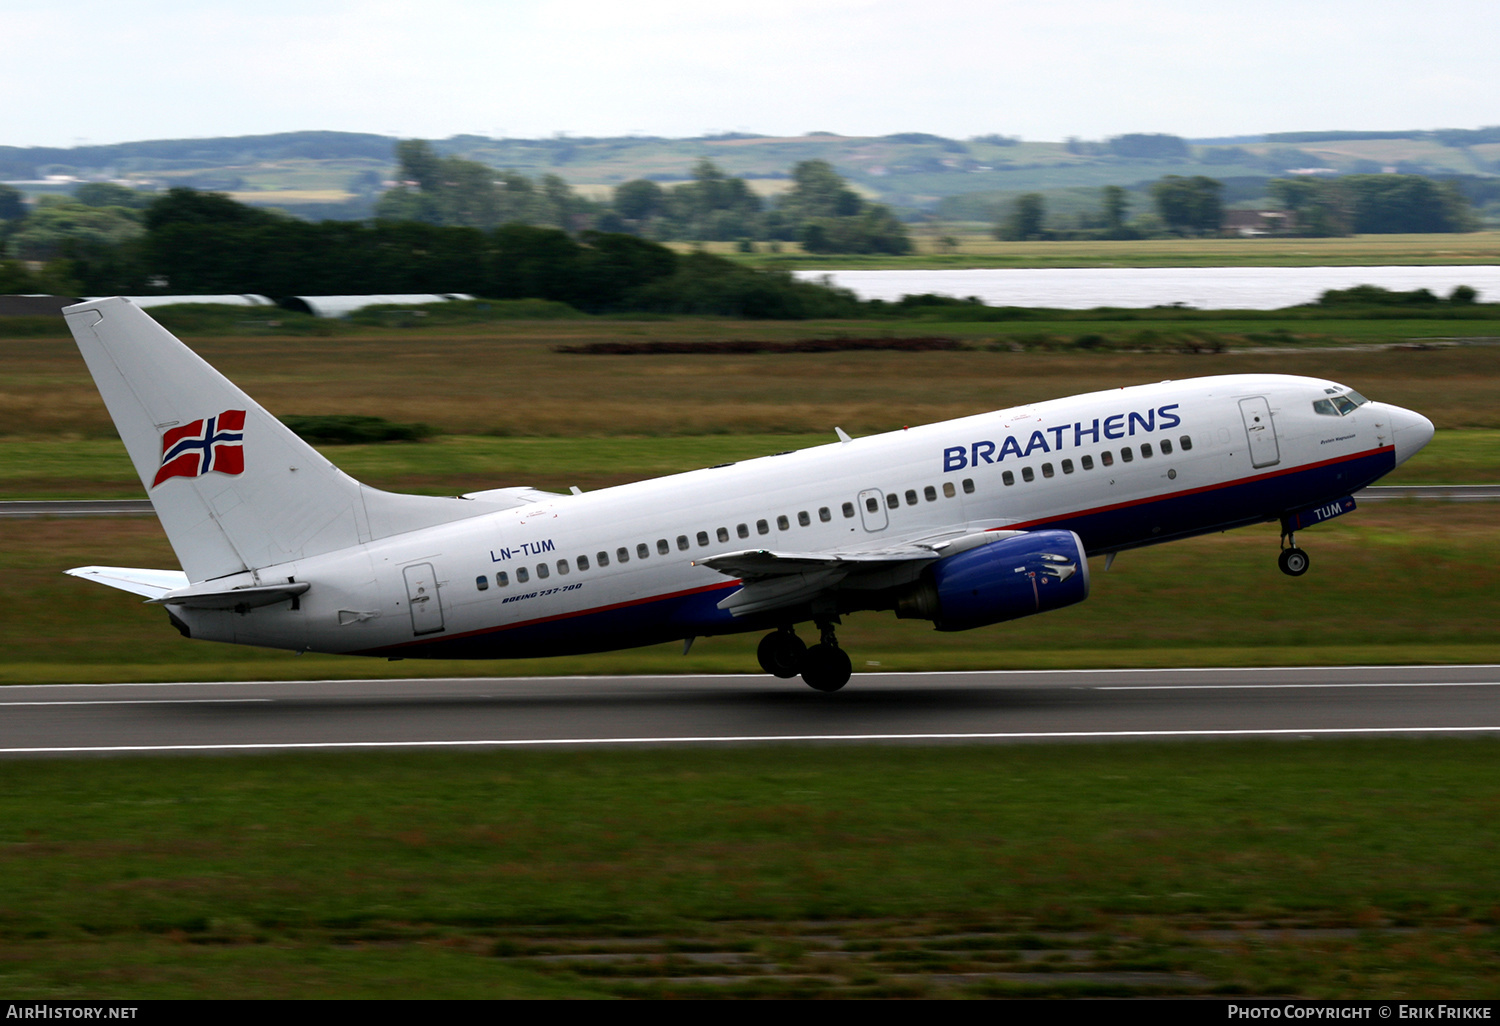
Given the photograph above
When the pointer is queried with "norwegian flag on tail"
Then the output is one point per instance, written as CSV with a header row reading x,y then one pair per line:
x,y
211,444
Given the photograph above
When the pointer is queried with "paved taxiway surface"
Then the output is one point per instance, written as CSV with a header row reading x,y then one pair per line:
x,y
993,707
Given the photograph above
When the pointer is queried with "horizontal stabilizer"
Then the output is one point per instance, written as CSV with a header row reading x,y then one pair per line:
x,y
150,583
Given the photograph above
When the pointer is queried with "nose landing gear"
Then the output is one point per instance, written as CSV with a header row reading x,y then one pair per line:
x,y
824,666
1293,561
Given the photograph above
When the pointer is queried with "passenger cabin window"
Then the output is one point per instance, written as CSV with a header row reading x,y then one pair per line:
x,y
761,527
1166,447
911,496
1126,454
1007,478
783,524
893,500
602,558
641,552
583,562
622,554
682,543
848,510
502,579
723,534
542,571
1107,458
1027,474
562,566
662,548
1067,466
872,504
1145,450
929,493
743,530
482,583
522,576
948,489
702,539
825,514
1047,470
968,486
1087,462
1186,442
803,520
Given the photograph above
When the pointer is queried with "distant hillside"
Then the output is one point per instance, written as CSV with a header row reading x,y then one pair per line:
x,y
333,174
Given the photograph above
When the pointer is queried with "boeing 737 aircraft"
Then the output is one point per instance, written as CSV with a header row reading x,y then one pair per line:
x,y
965,523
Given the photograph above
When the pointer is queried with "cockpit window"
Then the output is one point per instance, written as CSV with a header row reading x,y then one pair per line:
x,y
1339,405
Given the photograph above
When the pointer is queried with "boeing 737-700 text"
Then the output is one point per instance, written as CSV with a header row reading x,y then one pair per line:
x,y
965,523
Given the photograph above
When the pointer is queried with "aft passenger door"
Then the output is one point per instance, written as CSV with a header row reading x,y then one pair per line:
x,y
422,599
1256,412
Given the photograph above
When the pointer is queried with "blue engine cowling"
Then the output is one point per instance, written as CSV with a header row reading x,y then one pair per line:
x,y
1007,579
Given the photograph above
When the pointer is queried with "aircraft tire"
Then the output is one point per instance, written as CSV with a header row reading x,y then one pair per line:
x,y
781,654
826,668
1293,562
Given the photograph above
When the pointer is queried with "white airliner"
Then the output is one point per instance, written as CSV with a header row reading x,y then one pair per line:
x,y
965,523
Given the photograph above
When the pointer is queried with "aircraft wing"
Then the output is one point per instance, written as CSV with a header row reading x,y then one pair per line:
x,y
776,579
763,564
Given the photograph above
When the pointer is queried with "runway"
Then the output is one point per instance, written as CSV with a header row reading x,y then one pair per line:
x,y
1004,707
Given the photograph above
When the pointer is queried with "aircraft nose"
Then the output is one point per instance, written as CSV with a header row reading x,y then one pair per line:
x,y
1411,430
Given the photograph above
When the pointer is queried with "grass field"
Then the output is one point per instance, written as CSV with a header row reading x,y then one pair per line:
x,y
976,248
1354,869
512,382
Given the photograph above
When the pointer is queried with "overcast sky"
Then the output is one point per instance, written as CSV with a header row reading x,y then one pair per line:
x,y
90,71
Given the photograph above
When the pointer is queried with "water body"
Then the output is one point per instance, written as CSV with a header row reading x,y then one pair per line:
x,y
1207,288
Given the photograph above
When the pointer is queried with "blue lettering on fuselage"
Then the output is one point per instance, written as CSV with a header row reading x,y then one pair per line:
x,y
1119,425
524,549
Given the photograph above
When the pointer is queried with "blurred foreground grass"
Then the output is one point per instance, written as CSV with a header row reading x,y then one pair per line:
x,y
1325,869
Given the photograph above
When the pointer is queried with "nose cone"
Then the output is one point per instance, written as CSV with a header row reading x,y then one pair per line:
x,y
1412,431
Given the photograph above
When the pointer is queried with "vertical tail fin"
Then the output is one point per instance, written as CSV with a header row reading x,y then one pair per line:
x,y
235,489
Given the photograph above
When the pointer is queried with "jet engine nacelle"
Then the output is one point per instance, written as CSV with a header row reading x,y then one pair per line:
x,y
1010,578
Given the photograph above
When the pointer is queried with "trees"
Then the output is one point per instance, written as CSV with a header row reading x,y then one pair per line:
x,y
1149,146
12,203
1381,204
1115,204
1189,206
826,216
455,192
1025,222
109,194
1373,204
46,231
817,192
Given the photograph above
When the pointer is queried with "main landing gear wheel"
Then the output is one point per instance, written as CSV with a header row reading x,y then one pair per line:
x,y
826,668
781,654
1293,562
